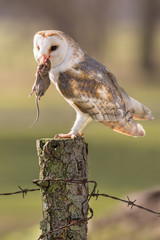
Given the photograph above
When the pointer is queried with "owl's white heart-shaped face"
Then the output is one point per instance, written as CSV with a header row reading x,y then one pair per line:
x,y
62,51
50,45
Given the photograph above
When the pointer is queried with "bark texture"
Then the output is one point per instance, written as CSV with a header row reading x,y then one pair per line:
x,y
63,202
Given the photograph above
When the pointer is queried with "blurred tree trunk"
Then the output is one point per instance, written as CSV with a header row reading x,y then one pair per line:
x,y
85,21
150,16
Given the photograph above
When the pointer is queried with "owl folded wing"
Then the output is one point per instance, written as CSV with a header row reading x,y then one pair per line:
x,y
102,101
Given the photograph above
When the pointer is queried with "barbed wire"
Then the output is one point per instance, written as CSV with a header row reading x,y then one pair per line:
x,y
97,194
94,194
129,202
22,191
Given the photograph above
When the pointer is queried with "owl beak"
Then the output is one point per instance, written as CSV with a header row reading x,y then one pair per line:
x,y
44,58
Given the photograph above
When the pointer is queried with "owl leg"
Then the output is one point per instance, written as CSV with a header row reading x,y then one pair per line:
x,y
81,121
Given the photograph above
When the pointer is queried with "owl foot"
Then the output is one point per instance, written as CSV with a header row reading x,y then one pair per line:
x,y
68,135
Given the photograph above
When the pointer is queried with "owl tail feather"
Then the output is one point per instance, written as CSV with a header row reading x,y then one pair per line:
x,y
139,111
128,127
134,130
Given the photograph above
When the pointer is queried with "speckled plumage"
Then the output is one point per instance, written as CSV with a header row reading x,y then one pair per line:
x,y
91,89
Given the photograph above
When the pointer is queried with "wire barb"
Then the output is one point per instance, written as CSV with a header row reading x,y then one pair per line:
x,y
130,203
22,191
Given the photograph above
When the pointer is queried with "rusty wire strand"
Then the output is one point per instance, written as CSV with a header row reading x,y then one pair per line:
x,y
80,181
22,191
75,223
129,202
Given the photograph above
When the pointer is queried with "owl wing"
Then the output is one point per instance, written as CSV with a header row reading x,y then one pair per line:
x,y
101,102
94,90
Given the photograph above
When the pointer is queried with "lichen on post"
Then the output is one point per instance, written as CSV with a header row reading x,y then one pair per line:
x,y
65,194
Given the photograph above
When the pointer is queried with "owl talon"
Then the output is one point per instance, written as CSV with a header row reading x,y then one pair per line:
x,y
80,134
69,135
61,136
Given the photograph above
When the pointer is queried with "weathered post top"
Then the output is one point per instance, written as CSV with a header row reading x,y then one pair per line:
x,y
63,175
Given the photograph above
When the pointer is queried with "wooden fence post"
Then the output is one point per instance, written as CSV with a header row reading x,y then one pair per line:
x,y
65,193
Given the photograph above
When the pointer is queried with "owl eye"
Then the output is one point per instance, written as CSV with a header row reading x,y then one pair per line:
x,y
53,48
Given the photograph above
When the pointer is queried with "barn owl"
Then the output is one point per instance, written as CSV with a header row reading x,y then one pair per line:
x,y
88,86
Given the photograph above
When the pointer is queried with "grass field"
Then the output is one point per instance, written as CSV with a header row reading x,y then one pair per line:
x,y
118,163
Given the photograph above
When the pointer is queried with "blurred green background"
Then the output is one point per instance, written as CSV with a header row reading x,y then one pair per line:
x,y
124,36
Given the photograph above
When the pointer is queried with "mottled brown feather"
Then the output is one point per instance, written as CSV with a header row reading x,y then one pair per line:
x,y
90,86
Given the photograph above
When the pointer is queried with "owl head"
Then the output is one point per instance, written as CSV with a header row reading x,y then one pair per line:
x,y
58,47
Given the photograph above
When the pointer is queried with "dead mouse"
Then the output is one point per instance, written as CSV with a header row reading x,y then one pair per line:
x,y
41,84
